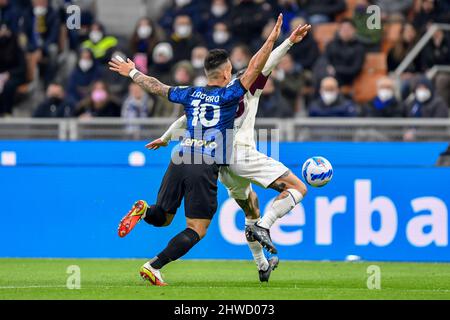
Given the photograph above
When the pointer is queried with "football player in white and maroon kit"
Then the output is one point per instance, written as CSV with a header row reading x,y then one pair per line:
x,y
249,166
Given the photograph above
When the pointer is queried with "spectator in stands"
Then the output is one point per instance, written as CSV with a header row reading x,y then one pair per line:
x,y
101,44
290,79
221,37
436,52
259,41
401,48
290,10
138,103
100,103
181,7
143,41
370,37
429,12
162,61
345,54
323,11
219,11
392,9
385,104
183,38
55,104
240,57
272,104
426,104
183,74
13,69
247,19
84,74
306,52
42,30
198,56
9,15
331,103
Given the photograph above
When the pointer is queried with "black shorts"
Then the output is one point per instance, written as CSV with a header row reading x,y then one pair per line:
x,y
196,183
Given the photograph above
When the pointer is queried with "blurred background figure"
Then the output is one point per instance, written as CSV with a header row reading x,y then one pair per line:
x,y
369,37
143,41
101,44
42,31
272,104
99,103
221,37
183,38
426,103
162,57
331,103
240,57
13,69
55,104
84,74
385,104
345,54
322,11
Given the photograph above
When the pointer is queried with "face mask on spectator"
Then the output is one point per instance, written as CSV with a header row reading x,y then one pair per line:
x,y
144,32
218,10
85,64
95,36
99,95
40,11
385,94
200,81
220,37
183,30
422,94
197,63
238,65
329,97
182,3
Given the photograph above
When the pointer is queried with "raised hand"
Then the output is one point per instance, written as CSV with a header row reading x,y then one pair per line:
x,y
299,33
123,68
276,29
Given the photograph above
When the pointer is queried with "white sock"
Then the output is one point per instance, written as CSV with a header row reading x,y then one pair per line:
x,y
256,249
280,207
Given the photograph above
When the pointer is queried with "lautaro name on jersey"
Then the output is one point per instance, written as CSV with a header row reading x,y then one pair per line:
x,y
210,113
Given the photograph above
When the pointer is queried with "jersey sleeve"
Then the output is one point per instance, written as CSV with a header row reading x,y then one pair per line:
x,y
179,94
233,92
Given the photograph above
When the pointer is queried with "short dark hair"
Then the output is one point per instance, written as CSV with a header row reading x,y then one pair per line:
x,y
215,59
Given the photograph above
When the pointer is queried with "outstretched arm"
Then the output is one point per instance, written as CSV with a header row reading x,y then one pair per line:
x,y
275,57
257,63
147,83
179,124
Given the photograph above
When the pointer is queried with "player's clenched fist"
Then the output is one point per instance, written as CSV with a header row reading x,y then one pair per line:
x,y
121,67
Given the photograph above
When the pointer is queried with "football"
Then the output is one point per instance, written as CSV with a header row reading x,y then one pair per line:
x,y
317,171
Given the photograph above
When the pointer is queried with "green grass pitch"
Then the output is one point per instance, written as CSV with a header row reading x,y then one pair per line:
x,y
119,279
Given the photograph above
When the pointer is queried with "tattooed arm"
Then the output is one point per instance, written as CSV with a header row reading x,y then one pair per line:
x,y
147,83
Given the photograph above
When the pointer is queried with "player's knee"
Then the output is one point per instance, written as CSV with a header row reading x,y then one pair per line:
x,y
199,228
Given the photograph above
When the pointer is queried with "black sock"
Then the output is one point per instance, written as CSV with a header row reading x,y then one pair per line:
x,y
177,247
155,216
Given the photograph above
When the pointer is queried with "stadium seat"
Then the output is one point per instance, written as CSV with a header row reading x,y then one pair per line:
x,y
364,87
324,33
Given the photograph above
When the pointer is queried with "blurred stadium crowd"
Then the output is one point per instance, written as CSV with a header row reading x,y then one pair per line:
x,y
340,70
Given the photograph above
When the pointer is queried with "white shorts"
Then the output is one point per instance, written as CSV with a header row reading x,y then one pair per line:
x,y
249,166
